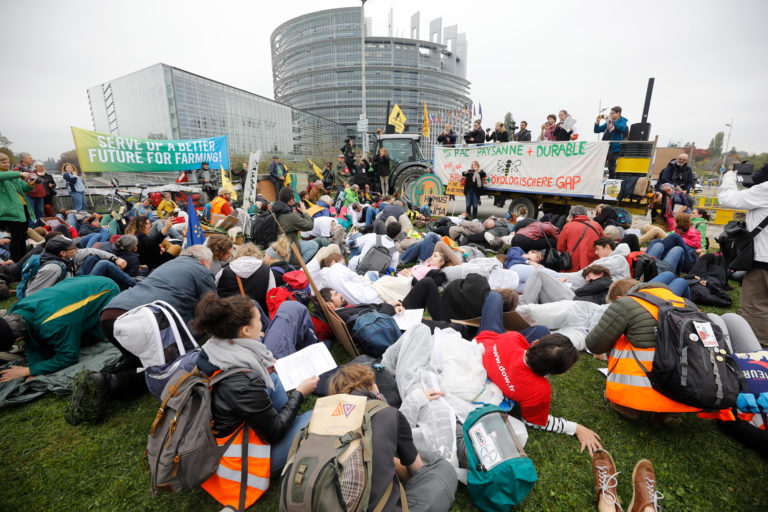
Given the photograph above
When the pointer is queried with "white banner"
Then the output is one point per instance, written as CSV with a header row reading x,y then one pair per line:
x,y
560,168
251,180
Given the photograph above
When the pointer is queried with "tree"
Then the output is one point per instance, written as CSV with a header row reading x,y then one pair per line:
x,y
68,157
509,121
716,145
4,142
50,164
11,156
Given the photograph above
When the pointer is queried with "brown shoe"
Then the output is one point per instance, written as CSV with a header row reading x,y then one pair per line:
x,y
604,471
645,497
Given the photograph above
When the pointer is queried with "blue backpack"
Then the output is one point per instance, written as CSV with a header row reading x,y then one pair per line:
x,y
374,332
29,271
624,217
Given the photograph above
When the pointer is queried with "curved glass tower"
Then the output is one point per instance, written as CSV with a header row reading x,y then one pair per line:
x,y
316,66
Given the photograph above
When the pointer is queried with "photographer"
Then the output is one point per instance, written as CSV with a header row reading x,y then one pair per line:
x,y
754,287
615,128
524,135
448,137
14,211
500,134
477,135
349,153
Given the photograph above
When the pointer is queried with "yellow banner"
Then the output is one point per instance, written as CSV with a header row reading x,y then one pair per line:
x,y
225,183
397,119
425,122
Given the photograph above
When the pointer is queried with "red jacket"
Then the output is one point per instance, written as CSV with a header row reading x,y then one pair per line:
x,y
692,237
584,253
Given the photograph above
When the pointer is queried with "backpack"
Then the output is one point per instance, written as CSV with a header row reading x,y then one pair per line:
x,y
737,244
500,474
692,363
641,266
329,467
189,458
263,229
207,212
157,335
374,332
377,258
624,218
29,271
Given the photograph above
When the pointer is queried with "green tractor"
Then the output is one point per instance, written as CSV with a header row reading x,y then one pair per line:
x,y
407,163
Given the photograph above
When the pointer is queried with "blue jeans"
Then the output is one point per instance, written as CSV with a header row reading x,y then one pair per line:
x,y
73,222
78,200
492,319
421,250
687,254
90,240
678,285
370,215
290,330
472,198
37,206
673,256
279,451
93,266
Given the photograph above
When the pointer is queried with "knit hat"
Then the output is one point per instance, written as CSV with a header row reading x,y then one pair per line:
x,y
126,243
59,243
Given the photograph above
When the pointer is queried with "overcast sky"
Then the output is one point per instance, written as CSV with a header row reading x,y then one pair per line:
x,y
530,58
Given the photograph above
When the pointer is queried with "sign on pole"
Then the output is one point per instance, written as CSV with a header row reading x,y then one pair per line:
x,y
438,204
251,180
397,118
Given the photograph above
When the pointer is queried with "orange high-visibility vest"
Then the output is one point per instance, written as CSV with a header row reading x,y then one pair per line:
x,y
225,484
217,204
627,383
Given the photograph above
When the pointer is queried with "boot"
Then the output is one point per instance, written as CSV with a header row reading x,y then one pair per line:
x,y
645,497
604,471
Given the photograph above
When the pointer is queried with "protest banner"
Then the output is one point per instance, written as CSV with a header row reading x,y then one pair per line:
x,y
454,188
103,152
251,179
438,205
560,168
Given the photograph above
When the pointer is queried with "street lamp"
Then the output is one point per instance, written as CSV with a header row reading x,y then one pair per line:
x,y
363,116
727,143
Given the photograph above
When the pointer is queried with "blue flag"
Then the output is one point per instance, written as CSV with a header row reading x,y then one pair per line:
x,y
195,234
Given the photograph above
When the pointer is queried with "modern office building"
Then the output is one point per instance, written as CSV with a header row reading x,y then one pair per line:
x,y
317,62
164,102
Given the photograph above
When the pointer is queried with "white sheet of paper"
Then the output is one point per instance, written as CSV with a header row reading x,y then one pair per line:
x,y
409,318
307,362
604,371
568,123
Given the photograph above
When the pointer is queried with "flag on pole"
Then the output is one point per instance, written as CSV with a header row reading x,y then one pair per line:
x,y
318,171
425,122
225,183
195,234
397,118
480,109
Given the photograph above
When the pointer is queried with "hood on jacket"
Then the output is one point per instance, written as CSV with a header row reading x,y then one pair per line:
x,y
622,250
279,208
245,266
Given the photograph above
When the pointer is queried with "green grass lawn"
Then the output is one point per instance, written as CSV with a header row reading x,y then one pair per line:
x,y
47,465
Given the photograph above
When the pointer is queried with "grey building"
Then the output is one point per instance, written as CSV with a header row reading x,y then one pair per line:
x,y
317,62
164,102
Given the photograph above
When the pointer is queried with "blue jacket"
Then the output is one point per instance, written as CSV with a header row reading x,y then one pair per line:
x,y
515,257
676,175
619,132
180,282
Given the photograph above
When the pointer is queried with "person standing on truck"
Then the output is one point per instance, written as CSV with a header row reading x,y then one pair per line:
x,y
548,128
500,134
524,134
477,135
473,184
448,137
615,128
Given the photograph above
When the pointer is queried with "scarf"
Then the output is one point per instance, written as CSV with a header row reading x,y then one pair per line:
x,y
241,353
477,179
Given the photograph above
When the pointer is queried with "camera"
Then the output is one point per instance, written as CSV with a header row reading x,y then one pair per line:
x,y
467,136
744,173
346,140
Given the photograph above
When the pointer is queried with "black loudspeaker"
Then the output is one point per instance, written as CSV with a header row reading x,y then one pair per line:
x,y
640,131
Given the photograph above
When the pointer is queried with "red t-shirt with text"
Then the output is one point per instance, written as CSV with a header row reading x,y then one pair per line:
x,y
503,361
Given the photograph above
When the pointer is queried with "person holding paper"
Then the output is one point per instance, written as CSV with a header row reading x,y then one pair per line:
x,y
565,128
615,129
255,397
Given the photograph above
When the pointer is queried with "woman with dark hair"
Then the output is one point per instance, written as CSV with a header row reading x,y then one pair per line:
x,y
149,245
221,247
251,405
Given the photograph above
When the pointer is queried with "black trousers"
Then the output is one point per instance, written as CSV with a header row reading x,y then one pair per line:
x,y
18,232
425,295
126,383
526,244
611,163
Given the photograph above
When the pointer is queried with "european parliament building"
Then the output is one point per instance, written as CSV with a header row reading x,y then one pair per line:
x,y
317,62
164,102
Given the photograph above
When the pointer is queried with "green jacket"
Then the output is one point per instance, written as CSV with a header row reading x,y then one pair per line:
x,y
700,224
292,223
350,196
12,200
59,318
625,316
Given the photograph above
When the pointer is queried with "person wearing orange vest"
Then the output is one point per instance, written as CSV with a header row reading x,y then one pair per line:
x,y
220,203
250,405
627,331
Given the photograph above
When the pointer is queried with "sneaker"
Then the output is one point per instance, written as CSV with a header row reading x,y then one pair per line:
x,y
605,474
90,398
645,497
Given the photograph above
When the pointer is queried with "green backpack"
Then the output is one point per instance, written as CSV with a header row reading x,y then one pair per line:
x,y
330,463
500,474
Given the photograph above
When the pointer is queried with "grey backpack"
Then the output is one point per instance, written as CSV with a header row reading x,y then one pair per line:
x,y
181,448
377,258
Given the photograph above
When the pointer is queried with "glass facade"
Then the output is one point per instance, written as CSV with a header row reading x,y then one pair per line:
x,y
317,63
163,102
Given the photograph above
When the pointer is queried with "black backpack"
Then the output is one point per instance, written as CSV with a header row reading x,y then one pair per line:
x,y
377,258
644,268
263,229
737,244
692,363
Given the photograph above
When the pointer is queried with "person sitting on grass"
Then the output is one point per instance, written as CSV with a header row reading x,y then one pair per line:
x,y
428,487
246,271
149,244
520,370
54,323
221,247
255,399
